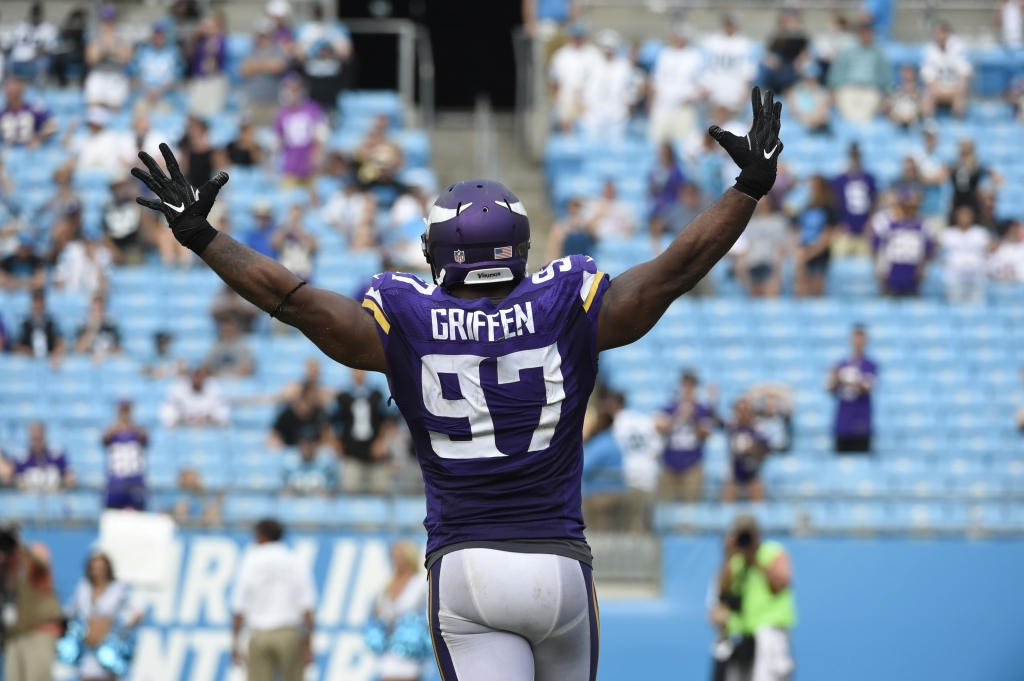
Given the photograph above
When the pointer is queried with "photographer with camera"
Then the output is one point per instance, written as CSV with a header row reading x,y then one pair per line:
x,y
32,618
754,608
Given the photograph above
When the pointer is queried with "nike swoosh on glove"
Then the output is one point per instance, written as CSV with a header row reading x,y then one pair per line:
x,y
757,154
185,207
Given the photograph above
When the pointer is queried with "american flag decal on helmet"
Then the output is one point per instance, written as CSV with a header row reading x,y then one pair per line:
x,y
503,252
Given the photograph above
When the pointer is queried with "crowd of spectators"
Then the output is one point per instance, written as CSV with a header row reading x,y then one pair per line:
x,y
603,91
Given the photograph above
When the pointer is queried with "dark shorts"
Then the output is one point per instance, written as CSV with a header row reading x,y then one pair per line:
x,y
817,265
853,445
759,274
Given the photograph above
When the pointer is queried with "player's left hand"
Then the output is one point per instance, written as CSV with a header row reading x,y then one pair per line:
x,y
185,207
757,154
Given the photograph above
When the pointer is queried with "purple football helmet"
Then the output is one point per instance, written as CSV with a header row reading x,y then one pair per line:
x,y
477,233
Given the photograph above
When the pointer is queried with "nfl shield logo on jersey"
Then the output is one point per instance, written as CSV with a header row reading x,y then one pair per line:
x,y
460,256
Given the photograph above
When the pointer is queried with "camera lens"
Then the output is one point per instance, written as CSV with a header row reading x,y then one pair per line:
x,y
744,539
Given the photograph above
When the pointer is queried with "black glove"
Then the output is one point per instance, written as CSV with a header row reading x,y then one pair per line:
x,y
185,207
757,154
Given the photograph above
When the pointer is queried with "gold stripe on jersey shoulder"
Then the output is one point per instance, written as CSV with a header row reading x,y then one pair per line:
x,y
377,314
593,291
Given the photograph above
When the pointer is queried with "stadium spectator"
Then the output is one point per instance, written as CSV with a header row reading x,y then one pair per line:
x,y
567,75
729,67
302,130
279,13
108,56
304,411
260,239
604,491
810,103
83,266
159,66
1006,263
69,61
126,443
44,467
608,90
402,603
755,605
196,152
852,382
690,202
230,356
686,424
312,376
827,45
966,246
946,72
903,104
747,452
23,269
34,619
787,53
323,48
855,192
665,180
122,222
22,123
761,250
542,18
816,227
607,216
860,77
641,446
1010,21
98,335
244,150
207,54
901,245
364,433
106,609
313,468
773,409
933,173
262,70
967,174
572,234
101,148
274,595
229,306
295,245
40,335
675,89
31,46
163,364
195,401
193,505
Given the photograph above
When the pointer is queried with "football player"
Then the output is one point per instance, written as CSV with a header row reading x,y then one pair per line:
x,y
492,368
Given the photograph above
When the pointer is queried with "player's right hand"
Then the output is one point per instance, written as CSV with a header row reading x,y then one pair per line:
x,y
185,207
757,153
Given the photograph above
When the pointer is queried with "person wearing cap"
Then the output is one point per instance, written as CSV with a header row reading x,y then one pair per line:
x,y
860,76
23,269
260,239
21,123
852,381
107,55
207,56
686,423
279,12
126,443
159,66
302,130
262,71
729,66
608,90
567,73
101,148
901,245
675,91
754,608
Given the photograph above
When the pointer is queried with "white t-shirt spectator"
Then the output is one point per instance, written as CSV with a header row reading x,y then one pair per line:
x,y
641,447
608,90
966,250
184,406
610,218
1011,23
1007,262
569,67
729,68
28,42
676,76
945,67
108,150
78,270
274,588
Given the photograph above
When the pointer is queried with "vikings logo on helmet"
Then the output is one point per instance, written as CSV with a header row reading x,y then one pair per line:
x,y
468,232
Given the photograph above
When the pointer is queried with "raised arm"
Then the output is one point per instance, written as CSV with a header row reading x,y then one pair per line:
x,y
336,324
637,298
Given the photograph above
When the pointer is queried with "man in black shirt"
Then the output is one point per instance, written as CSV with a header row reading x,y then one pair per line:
x,y
364,433
40,336
23,269
122,222
306,410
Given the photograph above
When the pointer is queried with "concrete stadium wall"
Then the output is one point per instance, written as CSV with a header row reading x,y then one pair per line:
x,y
878,609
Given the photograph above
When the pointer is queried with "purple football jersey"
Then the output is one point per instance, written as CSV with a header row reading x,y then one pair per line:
x,y
42,471
856,194
297,128
853,418
19,126
746,449
903,246
684,447
126,470
494,396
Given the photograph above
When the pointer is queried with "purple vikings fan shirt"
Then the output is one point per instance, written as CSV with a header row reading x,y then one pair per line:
x,y
684,447
903,246
494,395
126,471
853,419
856,193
